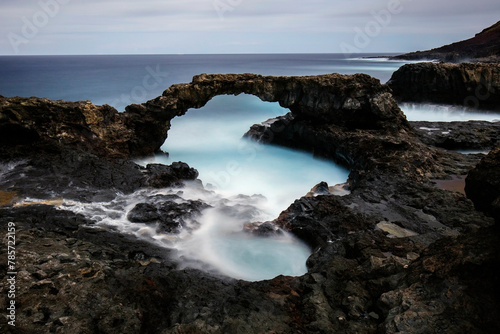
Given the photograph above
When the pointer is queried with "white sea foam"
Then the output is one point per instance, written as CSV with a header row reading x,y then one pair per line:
x,y
445,113
215,241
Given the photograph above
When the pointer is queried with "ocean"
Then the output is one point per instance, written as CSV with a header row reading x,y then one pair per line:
x,y
124,79
239,173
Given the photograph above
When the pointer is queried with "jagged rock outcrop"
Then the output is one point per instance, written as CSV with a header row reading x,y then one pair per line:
x,y
471,85
484,46
471,135
483,184
39,124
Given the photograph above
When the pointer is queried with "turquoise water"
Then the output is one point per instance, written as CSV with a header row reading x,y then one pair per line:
x,y
210,139
256,181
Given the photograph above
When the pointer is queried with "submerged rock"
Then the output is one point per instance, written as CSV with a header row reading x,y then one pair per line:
x,y
266,229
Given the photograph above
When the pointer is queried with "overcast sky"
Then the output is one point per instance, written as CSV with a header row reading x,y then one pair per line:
x,y
237,26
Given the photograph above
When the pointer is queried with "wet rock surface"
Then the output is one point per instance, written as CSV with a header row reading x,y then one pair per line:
x,y
170,213
472,135
394,254
395,220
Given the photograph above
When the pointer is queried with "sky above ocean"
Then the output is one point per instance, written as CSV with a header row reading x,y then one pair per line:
x,y
237,26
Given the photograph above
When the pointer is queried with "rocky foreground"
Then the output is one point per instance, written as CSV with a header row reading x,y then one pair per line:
x,y
399,254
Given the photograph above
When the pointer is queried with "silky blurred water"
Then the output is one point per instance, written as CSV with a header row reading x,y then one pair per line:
x,y
210,139
270,178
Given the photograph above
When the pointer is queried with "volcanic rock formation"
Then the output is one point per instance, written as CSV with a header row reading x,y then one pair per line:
x,y
472,85
357,101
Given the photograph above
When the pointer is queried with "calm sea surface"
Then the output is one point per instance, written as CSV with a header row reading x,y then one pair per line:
x,y
120,80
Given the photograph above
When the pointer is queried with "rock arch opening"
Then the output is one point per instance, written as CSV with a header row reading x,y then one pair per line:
x,y
345,101
245,183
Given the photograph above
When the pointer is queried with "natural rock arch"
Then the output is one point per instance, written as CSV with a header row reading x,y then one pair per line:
x,y
342,102
349,101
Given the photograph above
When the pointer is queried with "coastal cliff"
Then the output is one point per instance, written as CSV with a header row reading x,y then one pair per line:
x,y
397,253
471,85
41,124
357,101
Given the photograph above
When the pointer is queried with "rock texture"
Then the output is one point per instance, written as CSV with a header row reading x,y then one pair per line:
x,y
473,135
484,46
395,254
483,184
34,124
471,85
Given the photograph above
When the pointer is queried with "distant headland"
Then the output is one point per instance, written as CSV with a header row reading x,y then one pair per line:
x,y
483,47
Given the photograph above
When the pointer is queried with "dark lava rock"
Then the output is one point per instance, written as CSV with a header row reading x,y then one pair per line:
x,y
267,229
482,184
320,189
169,212
83,176
366,244
472,135
471,85
39,124
353,101
162,176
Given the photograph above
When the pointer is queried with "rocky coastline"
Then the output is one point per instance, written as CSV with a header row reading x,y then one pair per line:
x,y
398,253
472,85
